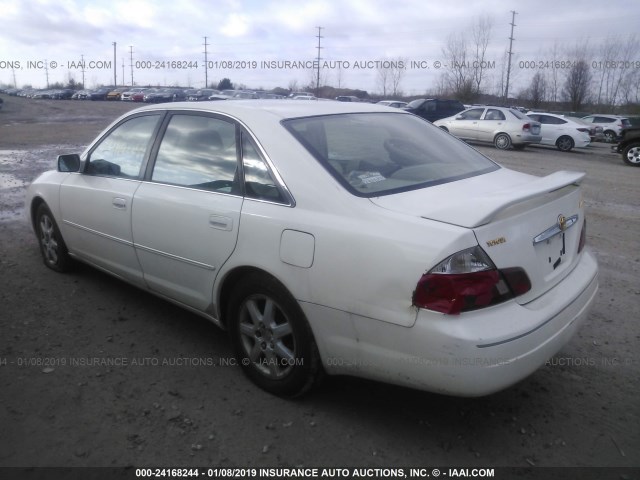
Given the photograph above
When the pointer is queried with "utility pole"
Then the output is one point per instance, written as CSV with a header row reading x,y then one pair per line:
x,y
131,64
206,64
46,71
82,63
122,70
506,90
318,65
15,84
115,78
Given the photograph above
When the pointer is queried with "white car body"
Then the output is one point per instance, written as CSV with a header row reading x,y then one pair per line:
x,y
504,127
350,260
393,103
612,125
561,132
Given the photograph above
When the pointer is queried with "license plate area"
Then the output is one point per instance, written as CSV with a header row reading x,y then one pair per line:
x,y
552,251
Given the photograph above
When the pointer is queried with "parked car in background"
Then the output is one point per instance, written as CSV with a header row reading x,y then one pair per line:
x,y
629,146
300,94
596,132
611,124
201,95
393,103
405,260
99,94
246,95
127,96
304,97
161,95
116,93
433,109
81,95
504,127
558,131
347,98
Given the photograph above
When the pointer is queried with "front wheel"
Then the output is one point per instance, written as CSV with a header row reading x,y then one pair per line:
x,y
565,143
271,337
54,251
502,141
609,136
631,154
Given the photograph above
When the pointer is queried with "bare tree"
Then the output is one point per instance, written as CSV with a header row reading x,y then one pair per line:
x,y
555,80
383,79
576,87
481,34
458,76
614,55
536,93
396,72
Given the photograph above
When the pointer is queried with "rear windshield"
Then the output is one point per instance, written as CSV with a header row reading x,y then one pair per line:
x,y
373,154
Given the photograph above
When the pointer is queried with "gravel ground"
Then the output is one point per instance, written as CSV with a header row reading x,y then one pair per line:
x,y
175,401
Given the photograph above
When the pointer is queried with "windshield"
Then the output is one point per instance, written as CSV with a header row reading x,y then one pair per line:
x,y
373,154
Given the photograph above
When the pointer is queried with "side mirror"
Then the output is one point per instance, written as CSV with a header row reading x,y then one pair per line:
x,y
69,163
460,117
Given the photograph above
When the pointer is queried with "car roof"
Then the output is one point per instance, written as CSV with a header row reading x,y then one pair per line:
x,y
282,109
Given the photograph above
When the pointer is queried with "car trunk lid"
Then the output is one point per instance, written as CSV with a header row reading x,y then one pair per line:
x,y
519,220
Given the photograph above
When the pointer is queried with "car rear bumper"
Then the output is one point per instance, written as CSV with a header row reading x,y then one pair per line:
x,y
472,354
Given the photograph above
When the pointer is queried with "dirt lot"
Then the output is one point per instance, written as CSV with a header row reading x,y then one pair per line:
x,y
174,404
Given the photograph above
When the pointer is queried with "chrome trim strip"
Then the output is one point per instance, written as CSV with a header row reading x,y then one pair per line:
x,y
176,257
555,230
100,234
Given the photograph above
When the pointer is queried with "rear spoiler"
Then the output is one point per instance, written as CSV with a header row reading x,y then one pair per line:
x,y
476,211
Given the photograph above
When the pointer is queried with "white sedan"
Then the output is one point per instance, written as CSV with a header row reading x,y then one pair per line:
x,y
561,132
338,237
504,127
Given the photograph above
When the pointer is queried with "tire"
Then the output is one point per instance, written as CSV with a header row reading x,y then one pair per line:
x,y
631,154
52,247
502,141
565,143
610,136
271,337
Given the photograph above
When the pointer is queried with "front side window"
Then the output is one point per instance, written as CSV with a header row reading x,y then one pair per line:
x,y
198,152
122,152
473,114
374,154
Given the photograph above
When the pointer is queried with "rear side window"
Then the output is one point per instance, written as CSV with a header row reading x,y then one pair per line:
x,y
376,154
122,152
198,152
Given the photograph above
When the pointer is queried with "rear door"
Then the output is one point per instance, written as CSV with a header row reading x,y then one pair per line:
x,y
186,216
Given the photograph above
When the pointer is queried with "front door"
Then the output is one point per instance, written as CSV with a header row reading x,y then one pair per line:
x,y
96,204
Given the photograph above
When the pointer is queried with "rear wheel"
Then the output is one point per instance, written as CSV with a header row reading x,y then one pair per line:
x,y
271,337
502,141
631,154
54,251
565,143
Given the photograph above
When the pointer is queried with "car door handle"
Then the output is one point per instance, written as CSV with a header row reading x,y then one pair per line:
x,y
119,203
221,222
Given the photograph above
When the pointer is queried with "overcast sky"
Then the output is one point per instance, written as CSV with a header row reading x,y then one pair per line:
x,y
243,34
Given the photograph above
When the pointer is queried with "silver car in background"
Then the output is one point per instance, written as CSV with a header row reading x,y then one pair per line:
x,y
504,127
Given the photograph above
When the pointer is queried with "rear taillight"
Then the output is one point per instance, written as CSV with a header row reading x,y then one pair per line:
x,y
468,280
583,236
526,127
